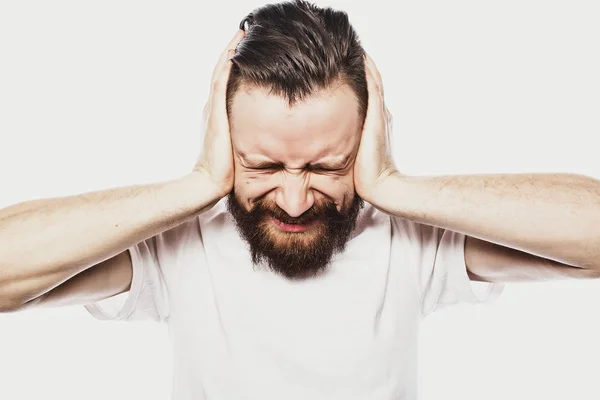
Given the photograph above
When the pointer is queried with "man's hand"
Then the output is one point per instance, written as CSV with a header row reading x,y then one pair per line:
x,y
216,158
374,162
96,228
518,226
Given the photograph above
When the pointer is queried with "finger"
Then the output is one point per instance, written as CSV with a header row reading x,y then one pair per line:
x,y
375,86
206,110
376,95
237,38
216,103
223,58
376,108
390,127
375,71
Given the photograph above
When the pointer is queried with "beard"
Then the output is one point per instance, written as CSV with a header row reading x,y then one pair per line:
x,y
295,255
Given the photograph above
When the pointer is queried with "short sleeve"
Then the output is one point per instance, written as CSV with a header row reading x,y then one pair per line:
x,y
147,299
154,262
442,271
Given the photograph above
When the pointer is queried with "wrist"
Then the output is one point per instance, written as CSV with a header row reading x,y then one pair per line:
x,y
417,198
382,194
198,191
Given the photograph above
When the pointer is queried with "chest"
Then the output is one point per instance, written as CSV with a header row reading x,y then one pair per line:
x,y
353,327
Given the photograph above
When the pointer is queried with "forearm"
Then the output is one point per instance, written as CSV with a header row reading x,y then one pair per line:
x,y
49,241
556,216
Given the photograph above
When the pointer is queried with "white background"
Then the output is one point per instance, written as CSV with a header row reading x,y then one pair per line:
x,y
101,94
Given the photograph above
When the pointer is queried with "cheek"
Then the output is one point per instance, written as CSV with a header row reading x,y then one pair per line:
x,y
250,185
334,187
253,185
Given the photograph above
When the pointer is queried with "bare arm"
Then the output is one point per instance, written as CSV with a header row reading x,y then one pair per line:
x,y
520,226
489,262
104,280
44,243
72,249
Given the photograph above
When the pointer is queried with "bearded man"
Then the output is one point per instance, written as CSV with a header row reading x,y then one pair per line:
x,y
295,261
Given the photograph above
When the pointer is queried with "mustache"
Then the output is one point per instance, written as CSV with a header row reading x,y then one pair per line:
x,y
323,210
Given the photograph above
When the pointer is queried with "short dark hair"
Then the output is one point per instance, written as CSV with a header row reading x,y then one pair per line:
x,y
294,48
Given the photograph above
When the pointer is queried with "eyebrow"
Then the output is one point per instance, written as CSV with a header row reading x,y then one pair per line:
x,y
333,165
322,165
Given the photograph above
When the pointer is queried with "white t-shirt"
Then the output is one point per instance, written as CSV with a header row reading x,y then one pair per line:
x,y
240,332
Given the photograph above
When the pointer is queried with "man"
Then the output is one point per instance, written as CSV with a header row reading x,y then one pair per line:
x,y
295,261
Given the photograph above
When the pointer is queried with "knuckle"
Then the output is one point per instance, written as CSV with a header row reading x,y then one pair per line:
x,y
219,84
206,111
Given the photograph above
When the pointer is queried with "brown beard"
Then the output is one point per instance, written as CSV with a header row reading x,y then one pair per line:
x,y
295,255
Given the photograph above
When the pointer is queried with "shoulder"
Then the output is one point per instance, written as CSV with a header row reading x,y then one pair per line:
x,y
370,216
415,232
216,217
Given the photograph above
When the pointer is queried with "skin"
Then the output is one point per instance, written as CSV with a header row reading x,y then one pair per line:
x,y
295,159
295,156
518,226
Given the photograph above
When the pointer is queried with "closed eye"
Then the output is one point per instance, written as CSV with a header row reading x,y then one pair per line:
x,y
319,168
322,169
266,166
328,167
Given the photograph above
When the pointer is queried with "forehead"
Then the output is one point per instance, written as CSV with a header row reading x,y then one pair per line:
x,y
325,125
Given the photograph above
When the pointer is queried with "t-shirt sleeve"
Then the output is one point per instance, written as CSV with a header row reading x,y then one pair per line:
x,y
147,299
443,277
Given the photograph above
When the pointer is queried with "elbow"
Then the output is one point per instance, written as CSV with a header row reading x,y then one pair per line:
x,y
9,304
10,301
7,309
593,271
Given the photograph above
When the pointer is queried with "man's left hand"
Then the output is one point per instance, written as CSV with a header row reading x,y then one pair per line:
x,y
374,163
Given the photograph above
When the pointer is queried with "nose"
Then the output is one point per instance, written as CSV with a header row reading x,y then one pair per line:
x,y
295,197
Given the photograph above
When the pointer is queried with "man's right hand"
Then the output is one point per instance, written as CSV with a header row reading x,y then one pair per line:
x,y
73,249
216,158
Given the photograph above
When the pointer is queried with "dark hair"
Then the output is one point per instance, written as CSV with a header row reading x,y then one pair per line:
x,y
294,48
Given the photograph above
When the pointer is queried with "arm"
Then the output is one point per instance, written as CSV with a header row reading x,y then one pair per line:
x,y
48,247
47,242
519,226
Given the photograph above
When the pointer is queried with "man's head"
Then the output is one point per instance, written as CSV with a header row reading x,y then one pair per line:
x,y
296,101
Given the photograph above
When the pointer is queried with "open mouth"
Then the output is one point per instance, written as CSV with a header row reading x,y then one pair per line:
x,y
294,228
